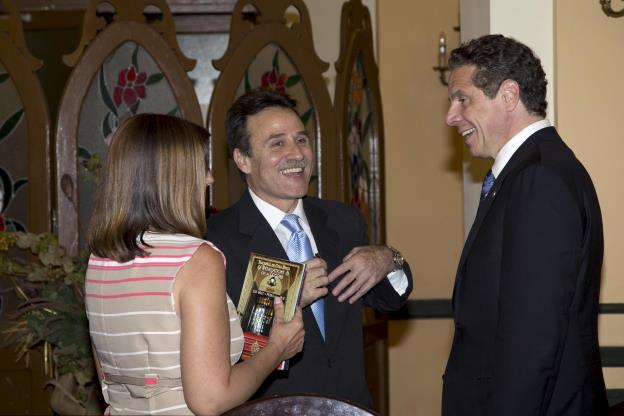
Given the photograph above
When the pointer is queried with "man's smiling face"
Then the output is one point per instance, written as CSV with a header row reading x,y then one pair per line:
x,y
281,159
479,119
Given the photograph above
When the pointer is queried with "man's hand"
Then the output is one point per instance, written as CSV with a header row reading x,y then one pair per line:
x,y
315,281
364,267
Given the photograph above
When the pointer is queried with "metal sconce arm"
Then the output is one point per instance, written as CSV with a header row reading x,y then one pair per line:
x,y
442,66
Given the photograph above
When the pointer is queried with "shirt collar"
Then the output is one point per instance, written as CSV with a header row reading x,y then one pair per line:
x,y
272,214
508,150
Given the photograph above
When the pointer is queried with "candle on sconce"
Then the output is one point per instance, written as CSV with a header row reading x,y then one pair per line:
x,y
442,50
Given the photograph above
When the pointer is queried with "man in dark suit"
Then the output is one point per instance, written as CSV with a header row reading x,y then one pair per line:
x,y
270,146
525,300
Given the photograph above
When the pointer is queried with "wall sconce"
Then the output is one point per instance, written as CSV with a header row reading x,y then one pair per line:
x,y
606,8
442,67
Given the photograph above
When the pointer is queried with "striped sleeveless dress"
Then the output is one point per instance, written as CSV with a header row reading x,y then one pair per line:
x,y
136,331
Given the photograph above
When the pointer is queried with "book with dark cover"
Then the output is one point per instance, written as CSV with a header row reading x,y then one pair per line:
x,y
265,278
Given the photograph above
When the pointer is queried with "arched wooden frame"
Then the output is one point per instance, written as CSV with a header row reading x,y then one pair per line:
x,y
356,39
22,67
246,41
165,54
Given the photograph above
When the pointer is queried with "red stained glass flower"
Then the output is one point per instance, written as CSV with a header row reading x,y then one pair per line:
x,y
130,86
2,223
273,81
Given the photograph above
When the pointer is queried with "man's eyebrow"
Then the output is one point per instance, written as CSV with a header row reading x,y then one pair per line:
x,y
280,135
456,94
277,135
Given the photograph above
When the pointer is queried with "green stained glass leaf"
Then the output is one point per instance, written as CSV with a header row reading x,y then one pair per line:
x,y
13,224
367,124
108,101
135,59
10,123
306,116
293,80
106,128
4,77
154,78
247,83
83,153
276,62
135,107
5,179
19,183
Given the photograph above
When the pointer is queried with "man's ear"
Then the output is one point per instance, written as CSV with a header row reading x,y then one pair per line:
x,y
242,161
510,93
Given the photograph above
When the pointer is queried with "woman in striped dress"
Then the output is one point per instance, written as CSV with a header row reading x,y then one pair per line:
x,y
166,336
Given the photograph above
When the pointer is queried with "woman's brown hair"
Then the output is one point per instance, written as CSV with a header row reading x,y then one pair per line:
x,y
154,180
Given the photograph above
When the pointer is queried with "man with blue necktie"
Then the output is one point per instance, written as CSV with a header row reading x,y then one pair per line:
x,y
525,301
270,146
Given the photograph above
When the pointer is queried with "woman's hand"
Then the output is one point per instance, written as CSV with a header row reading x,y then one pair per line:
x,y
286,336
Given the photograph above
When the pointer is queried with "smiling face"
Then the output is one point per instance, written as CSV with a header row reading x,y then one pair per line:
x,y
281,159
482,121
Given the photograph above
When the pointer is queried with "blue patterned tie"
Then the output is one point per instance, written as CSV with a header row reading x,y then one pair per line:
x,y
488,181
299,249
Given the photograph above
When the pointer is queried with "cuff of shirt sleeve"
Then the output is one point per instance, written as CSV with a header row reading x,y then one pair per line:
x,y
398,280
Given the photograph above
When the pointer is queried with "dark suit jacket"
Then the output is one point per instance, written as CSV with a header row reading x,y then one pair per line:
x,y
334,367
526,292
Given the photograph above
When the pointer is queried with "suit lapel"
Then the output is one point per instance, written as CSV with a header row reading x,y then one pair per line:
x,y
526,152
326,240
251,223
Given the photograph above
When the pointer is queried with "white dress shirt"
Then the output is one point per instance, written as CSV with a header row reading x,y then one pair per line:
x,y
274,216
508,150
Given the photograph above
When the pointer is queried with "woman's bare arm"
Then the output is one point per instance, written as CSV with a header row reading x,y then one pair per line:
x,y
211,385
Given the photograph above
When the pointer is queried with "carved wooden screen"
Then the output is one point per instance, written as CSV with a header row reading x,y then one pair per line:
x,y
24,195
360,131
271,46
122,67
360,119
24,134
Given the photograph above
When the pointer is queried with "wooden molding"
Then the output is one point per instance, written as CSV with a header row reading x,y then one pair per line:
x,y
93,54
129,11
356,41
12,27
176,6
22,67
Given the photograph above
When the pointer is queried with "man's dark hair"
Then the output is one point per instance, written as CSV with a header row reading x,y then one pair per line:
x,y
246,105
497,58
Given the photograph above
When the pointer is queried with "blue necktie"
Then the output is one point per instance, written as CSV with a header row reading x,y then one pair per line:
x,y
488,181
299,249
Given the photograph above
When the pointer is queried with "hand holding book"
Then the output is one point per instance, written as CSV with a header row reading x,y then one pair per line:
x,y
315,282
267,279
287,336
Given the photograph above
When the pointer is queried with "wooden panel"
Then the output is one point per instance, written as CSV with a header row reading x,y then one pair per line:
x,y
100,39
360,120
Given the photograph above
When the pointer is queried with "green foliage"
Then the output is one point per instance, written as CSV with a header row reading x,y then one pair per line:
x,y
9,125
51,286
